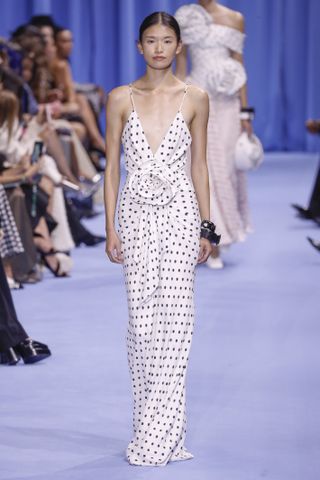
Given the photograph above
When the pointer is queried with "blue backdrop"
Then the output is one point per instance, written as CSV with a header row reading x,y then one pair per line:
x,y
281,53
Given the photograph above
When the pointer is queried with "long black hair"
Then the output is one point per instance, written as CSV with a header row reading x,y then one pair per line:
x,y
162,18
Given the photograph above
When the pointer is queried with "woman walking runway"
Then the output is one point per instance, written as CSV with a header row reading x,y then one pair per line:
x,y
159,243
214,35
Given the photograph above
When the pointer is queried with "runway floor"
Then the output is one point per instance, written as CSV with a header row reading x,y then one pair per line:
x,y
253,391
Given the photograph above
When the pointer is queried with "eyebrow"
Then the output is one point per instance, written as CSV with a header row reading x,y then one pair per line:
x,y
154,37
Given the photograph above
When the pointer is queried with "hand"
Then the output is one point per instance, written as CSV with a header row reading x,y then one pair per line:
x,y
32,171
205,250
56,109
113,248
55,94
246,126
25,162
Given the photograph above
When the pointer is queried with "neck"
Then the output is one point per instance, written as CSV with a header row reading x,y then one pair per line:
x,y
208,4
159,78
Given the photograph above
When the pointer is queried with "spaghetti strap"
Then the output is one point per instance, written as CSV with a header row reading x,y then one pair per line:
x,y
131,97
184,96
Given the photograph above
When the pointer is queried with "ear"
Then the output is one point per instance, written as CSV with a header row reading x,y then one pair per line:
x,y
179,47
139,47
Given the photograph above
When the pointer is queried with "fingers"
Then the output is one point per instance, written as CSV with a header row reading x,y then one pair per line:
x,y
205,251
202,254
114,254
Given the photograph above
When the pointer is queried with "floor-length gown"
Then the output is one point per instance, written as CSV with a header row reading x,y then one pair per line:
x,y
159,230
214,69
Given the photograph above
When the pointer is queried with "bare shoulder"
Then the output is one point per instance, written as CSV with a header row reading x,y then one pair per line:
x,y
59,65
119,97
238,20
118,94
234,19
198,95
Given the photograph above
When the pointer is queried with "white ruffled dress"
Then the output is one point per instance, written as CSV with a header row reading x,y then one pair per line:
x,y
214,70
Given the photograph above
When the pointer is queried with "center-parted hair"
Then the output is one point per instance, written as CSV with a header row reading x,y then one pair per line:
x,y
160,18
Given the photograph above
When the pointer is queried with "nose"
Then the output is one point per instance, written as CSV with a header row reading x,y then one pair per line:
x,y
159,47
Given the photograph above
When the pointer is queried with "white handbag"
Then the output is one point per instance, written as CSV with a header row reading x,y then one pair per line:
x,y
248,152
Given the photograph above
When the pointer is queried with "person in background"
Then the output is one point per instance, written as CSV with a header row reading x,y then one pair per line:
x,y
312,211
214,37
15,343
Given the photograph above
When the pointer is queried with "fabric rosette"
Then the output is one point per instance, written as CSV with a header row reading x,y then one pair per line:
x,y
226,77
194,23
151,184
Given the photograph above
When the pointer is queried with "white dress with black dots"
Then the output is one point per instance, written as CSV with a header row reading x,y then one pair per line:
x,y
159,229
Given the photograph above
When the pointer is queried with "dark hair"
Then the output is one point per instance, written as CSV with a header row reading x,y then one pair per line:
x,y
42,21
162,18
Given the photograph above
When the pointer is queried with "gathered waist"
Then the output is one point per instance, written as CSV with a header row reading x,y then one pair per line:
x,y
155,183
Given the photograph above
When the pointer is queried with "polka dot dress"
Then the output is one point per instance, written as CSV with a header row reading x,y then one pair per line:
x,y
159,229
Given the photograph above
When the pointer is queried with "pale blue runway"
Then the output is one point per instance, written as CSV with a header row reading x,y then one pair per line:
x,y
253,390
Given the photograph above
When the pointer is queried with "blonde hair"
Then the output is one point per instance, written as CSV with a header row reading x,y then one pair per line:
x,y
9,108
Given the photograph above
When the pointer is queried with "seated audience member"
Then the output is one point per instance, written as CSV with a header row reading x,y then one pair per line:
x,y
14,340
63,81
94,93
312,211
49,201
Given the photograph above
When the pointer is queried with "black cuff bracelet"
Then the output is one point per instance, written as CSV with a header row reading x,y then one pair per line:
x,y
248,110
208,232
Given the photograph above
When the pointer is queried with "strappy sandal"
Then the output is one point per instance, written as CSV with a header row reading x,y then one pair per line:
x,y
55,271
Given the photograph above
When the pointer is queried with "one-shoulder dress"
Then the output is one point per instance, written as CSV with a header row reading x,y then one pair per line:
x,y
214,70
159,229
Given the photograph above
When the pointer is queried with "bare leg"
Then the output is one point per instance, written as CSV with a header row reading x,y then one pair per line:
x,y
90,122
44,244
7,268
55,150
80,130
47,185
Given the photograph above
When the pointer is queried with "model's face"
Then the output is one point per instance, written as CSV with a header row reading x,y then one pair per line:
x,y
51,49
47,33
64,43
159,46
27,69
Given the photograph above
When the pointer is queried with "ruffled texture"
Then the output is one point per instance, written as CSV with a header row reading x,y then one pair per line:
x,y
150,184
197,25
194,23
229,37
227,76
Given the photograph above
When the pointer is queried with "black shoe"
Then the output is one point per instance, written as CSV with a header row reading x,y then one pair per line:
x,y
90,240
32,351
10,357
315,244
304,213
88,213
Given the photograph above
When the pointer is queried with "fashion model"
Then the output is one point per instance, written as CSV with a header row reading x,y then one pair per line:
x,y
161,237
214,37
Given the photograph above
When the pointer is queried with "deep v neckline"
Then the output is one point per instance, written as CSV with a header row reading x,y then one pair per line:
x,y
163,138
166,132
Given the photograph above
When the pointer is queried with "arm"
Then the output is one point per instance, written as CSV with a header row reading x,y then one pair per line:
x,y
239,25
199,169
18,174
63,78
182,63
112,174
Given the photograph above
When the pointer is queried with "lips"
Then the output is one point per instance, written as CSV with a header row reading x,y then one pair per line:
x,y
158,58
